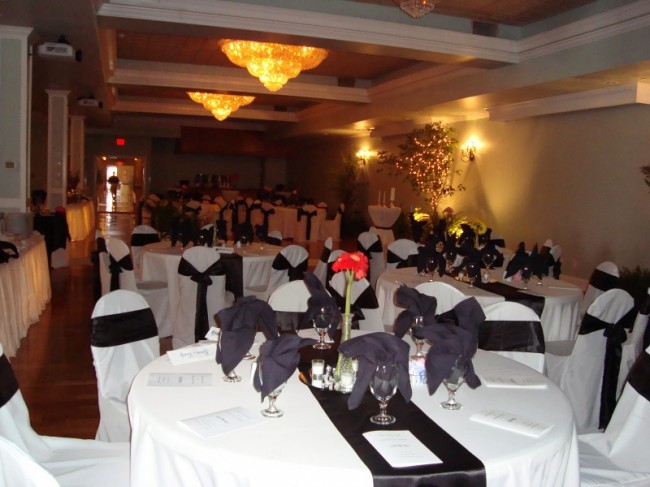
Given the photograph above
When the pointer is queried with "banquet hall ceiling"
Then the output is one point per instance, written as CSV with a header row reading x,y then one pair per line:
x,y
384,70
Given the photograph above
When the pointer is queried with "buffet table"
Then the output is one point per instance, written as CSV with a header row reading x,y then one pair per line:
x,y
24,291
304,448
81,219
561,299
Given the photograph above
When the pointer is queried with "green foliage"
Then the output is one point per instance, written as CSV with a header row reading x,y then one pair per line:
x,y
636,282
162,217
345,181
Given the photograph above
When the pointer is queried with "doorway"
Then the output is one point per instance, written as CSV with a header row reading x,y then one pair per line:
x,y
118,183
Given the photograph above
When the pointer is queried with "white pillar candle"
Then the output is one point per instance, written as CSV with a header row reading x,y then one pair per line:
x,y
317,366
392,194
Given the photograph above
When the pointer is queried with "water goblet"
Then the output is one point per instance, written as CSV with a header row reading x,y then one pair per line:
x,y
472,272
243,242
232,375
419,342
450,257
271,411
525,276
488,260
431,266
453,381
323,319
383,385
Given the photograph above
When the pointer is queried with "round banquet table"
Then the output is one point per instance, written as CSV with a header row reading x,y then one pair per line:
x,y
560,316
160,263
304,448
81,219
383,218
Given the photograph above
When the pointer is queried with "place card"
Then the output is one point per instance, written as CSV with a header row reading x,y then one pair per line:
x,y
223,421
213,334
225,250
193,353
511,422
517,382
161,379
401,448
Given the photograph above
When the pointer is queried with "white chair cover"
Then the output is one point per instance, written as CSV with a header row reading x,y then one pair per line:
x,y
276,235
619,455
511,311
296,256
446,294
155,292
364,297
602,279
17,468
290,296
580,374
217,298
633,346
73,462
140,236
330,261
332,228
320,271
370,244
308,226
399,252
116,360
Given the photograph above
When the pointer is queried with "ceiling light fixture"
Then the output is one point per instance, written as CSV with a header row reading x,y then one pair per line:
x,y
416,8
273,64
221,106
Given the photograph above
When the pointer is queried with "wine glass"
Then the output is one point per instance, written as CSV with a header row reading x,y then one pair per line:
x,y
419,342
472,272
450,257
488,260
525,275
453,381
232,375
271,411
243,242
383,385
323,319
431,266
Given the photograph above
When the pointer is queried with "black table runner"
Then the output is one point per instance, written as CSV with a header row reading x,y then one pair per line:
x,y
534,302
459,468
234,267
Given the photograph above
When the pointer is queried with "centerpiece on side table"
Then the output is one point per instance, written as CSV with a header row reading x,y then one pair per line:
x,y
355,266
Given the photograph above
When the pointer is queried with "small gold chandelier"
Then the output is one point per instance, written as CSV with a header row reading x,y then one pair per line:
x,y
416,8
221,106
273,64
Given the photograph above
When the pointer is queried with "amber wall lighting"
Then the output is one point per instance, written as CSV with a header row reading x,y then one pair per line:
x,y
469,149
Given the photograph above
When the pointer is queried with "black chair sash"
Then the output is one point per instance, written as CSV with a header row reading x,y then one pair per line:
x,y
366,300
308,215
325,255
273,241
222,230
140,239
122,328
250,209
616,335
115,267
207,235
203,280
374,248
235,212
8,382
243,229
266,214
511,336
296,273
602,280
233,265
291,320
4,255
639,376
100,244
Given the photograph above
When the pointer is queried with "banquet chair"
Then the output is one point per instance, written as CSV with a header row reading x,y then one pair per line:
x,y
321,209
289,265
320,271
633,345
446,295
270,219
402,253
289,301
274,238
514,331
363,298
224,214
141,236
580,371
72,462
603,278
96,257
308,227
123,340
556,253
200,271
255,215
370,244
619,455
18,468
121,276
332,228
330,262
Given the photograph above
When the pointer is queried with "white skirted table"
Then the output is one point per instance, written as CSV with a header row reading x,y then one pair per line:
x,y
81,219
303,447
383,218
561,299
24,291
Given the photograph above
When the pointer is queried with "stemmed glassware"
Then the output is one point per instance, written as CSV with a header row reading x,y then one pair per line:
x,y
431,266
232,375
472,272
450,257
243,242
488,260
271,411
383,386
419,342
453,381
323,319
525,275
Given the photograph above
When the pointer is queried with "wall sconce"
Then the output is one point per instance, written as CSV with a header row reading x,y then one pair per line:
x,y
469,149
363,155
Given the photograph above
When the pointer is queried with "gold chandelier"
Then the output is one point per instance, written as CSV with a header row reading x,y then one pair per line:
x,y
273,64
416,8
221,106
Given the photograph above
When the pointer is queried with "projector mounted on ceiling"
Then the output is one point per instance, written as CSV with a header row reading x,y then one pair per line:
x,y
59,50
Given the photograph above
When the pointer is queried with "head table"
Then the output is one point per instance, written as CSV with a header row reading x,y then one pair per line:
x,y
561,299
304,448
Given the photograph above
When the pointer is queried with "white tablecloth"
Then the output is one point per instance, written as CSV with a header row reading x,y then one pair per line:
x,y
160,263
81,219
383,218
286,221
24,291
561,306
304,448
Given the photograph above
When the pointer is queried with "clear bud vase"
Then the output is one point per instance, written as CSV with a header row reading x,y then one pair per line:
x,y
345,373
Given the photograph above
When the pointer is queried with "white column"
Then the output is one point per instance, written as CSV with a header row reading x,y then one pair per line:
x,y
77,149
57,147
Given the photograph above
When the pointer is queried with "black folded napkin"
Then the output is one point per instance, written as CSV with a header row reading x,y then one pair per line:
x,y
519,261
372,350
427,252
320,298
207,235
7,251
416,304
239,324
277,362
490,247
448,342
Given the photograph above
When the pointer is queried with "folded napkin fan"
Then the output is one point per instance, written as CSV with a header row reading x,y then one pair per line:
x,y
375,349
277,362
416,304
238,327
320,298
429,252
448,342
